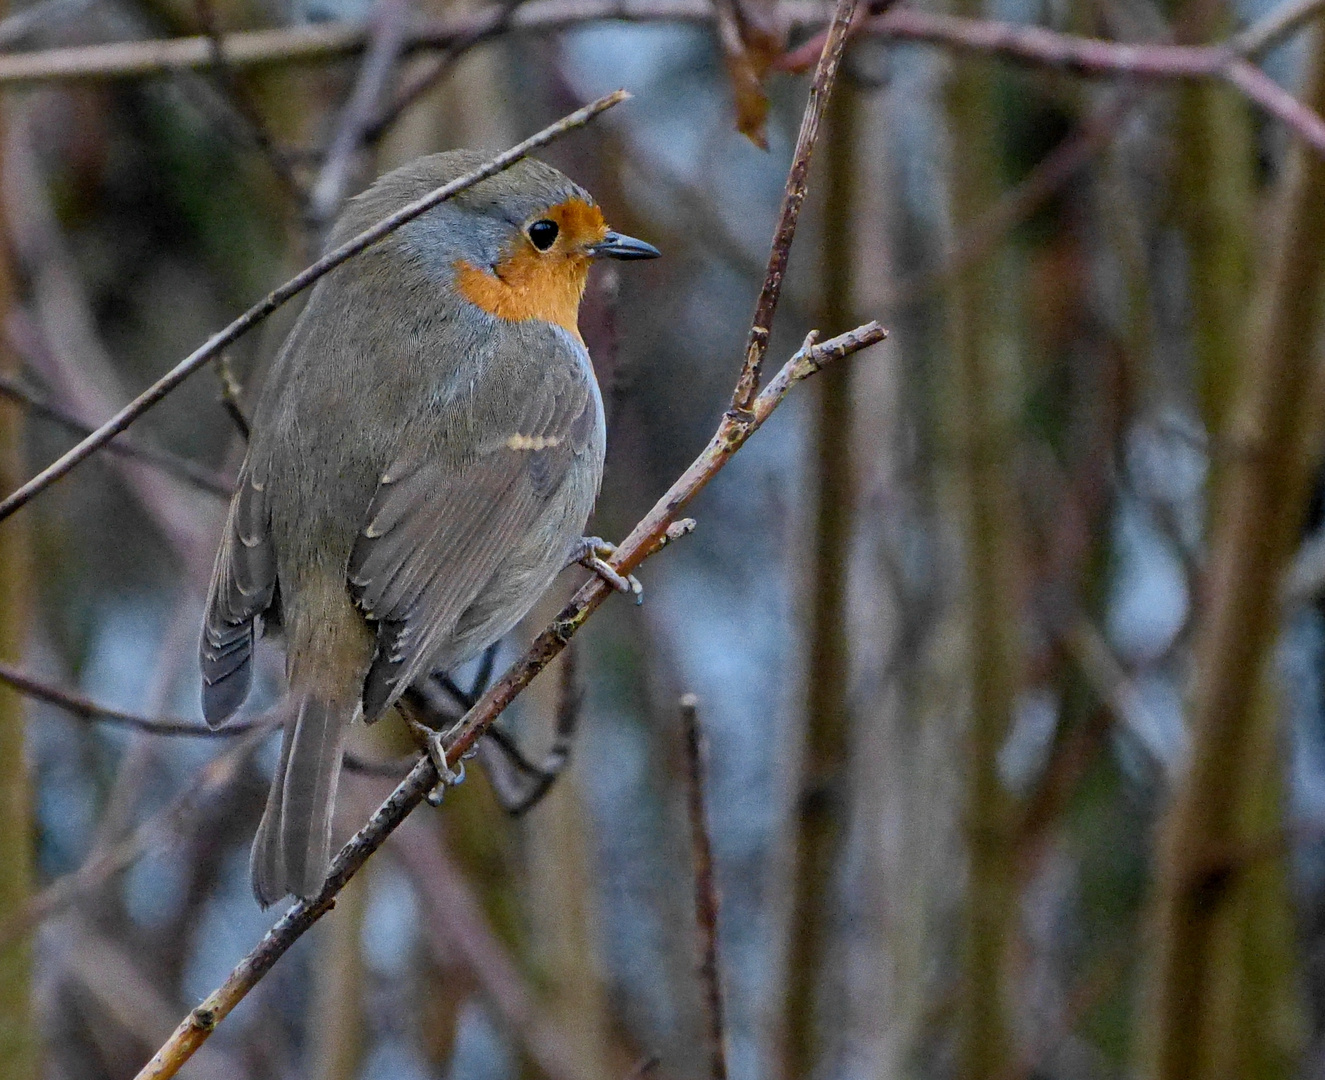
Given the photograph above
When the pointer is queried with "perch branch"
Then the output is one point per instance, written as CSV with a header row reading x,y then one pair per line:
x,y
254,315
658,528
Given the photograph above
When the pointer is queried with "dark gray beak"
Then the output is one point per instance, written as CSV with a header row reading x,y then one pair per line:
x,y
616,246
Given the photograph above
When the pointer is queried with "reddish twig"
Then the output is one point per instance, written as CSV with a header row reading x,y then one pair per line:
x,y
219,341
1093,56
821,89
706,891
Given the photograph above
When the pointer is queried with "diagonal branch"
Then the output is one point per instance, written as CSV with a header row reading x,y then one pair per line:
x,y
259,311
658,528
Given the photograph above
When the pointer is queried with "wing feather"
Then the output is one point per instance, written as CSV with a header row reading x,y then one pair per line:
x,y
438,530
243,586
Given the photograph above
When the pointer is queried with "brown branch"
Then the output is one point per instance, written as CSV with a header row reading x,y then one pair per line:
x,y
333,41
655,531
87,709
821,89
254,315
1094,56
1028,44
706,890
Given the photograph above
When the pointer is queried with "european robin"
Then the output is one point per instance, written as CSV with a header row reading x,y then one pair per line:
x,y
424,456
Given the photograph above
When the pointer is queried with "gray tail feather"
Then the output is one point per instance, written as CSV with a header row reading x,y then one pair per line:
x,y
292,848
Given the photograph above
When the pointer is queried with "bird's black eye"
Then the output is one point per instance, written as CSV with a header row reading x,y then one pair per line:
x,y
543,234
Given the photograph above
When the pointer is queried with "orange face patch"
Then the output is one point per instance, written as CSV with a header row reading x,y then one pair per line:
x,y
544,285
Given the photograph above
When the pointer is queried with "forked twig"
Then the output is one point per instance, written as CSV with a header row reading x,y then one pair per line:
x,y
821,88
297,284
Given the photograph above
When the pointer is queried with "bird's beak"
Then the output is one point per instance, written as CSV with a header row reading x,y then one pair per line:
x,y
616,246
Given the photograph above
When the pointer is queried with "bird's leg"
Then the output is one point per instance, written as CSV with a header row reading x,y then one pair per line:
x,y
591,552
411,706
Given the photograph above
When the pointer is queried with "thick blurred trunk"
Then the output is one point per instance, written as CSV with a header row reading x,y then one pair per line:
x,y
982,439
1224,987
1213,191
18,1034
821,804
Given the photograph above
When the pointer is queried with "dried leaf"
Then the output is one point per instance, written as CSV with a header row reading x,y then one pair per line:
x,y
749,49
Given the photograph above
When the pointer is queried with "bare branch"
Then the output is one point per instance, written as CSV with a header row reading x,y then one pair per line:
x,y
390,19
87,709
219,341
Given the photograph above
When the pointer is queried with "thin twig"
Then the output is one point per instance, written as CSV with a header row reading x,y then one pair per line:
x,y
821,88
198,475
658,528
291,288
231,392
706,890
87,709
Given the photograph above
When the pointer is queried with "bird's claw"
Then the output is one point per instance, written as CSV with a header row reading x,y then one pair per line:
x,y
592,552
449,777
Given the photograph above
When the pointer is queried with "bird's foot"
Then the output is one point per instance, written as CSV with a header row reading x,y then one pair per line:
x,y
433,745
592,552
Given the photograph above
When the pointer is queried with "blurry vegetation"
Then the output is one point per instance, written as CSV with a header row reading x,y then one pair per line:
x,y
1008,635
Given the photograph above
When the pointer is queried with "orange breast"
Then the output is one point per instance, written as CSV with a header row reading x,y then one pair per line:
x,y
545,285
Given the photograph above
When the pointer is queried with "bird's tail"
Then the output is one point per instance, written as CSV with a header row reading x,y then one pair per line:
x,y
292,849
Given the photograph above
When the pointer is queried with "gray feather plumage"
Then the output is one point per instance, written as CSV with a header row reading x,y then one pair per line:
x,y
417,474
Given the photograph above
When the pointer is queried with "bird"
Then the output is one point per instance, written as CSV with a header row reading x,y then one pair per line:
x,y
424,456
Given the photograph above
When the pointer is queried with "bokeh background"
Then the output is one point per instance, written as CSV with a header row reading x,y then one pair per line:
x,y
1005,633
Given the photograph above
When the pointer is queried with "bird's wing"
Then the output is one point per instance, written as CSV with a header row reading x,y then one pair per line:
x,y
243,585
438,529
